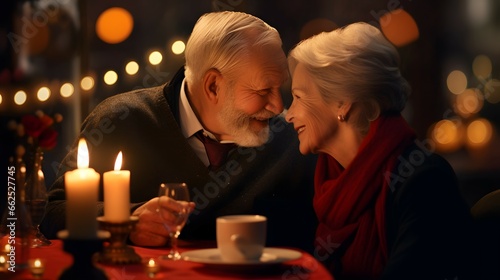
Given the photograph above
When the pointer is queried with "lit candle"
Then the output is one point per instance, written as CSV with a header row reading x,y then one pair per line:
x,y
151,267
37,267
4,265
82,187
117,193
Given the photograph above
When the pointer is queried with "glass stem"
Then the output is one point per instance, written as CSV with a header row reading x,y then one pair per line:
x,y
173,244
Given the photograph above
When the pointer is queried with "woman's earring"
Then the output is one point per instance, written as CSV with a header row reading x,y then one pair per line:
x,y
341,118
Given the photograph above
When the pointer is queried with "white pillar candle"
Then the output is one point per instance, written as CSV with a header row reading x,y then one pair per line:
x,y
117,193
82,189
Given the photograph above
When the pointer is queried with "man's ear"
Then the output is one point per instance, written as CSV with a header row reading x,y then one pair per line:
x,y
211,84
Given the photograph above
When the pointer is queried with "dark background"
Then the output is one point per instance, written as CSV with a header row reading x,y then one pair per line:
x,y
449,40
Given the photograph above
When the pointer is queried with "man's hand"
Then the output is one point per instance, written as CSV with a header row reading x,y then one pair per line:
x,y
150,230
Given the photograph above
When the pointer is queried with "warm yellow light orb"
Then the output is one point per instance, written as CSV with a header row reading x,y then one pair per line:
x,y
456,81
110,77
114,25
20,97
469,102
1,99
87,83
132,68
399,27
155,57
491,91
178,47
43,94
479,133
447,135
481,66
67,90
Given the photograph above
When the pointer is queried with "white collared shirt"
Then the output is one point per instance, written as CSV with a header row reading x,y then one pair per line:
x,y
190,125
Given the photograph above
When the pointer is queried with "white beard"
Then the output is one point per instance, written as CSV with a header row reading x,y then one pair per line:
x,y
237,124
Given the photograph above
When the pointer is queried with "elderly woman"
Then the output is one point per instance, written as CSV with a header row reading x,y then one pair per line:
x,y
388,207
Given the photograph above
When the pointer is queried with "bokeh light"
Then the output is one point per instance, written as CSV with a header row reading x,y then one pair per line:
x,y
178,47
447,135
316,26
399,27
469,102
456,82
67,90
479,133
20,97
114,25
1,98
492,91
43,94
132,68
87,83
155,58
110,77
481,66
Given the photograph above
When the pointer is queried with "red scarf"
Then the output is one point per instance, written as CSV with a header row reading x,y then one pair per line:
x,y
350,203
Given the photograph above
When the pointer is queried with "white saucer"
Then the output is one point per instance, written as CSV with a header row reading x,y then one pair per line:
x,y
269,257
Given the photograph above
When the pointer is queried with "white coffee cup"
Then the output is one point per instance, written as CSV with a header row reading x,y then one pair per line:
x,y
241,237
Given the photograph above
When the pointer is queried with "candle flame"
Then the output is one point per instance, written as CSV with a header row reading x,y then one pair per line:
x,y
37,263
83,154
151,263
118,161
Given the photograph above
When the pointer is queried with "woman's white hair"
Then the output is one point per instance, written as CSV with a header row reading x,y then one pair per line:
x,y
354,64
221,40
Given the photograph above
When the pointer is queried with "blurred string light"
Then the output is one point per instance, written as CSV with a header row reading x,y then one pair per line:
x,y
20,97
481,66
43,94
114,25
456,82
447,135
110,78
178,47
468,102
399,27
132,68
67,90
492,91
479,133
155,58
87,83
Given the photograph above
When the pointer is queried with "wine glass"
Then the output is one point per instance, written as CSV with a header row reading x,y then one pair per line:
x,y
180,192
36,201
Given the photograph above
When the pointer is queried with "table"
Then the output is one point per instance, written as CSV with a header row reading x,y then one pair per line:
x,y
56,260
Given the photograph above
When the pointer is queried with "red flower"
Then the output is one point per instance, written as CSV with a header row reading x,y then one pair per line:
x,y
39,129
34,126
48,139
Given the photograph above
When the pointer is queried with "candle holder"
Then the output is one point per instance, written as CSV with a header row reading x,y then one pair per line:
x,y
82,251
37,268
151,267
117,251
